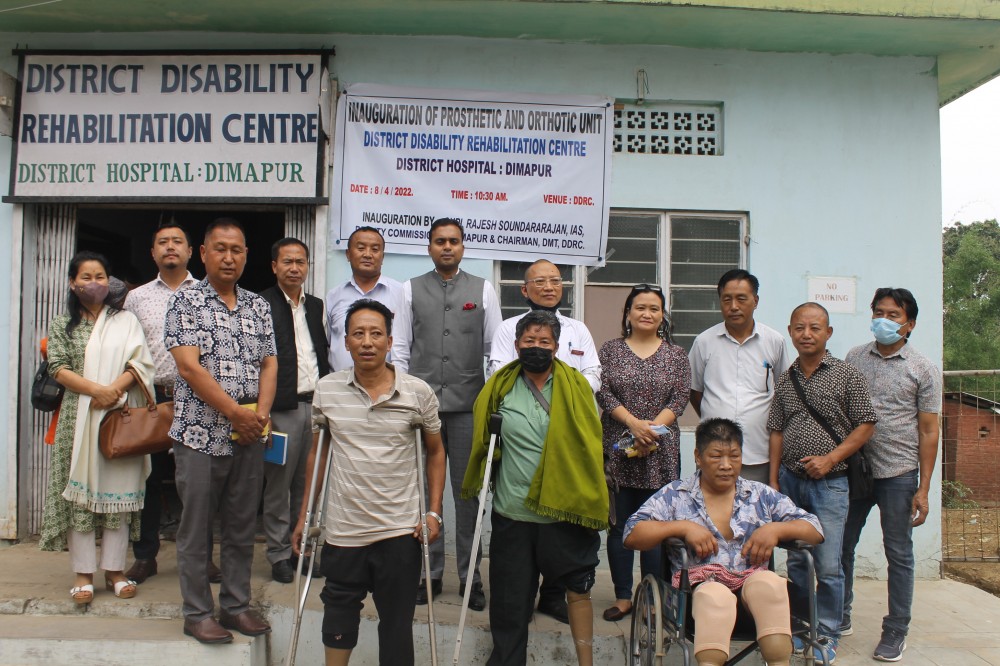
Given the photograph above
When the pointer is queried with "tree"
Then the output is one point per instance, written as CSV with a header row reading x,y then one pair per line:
x,y
972,296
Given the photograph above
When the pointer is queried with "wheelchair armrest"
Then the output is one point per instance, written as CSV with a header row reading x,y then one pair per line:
x,y
679,545
796,544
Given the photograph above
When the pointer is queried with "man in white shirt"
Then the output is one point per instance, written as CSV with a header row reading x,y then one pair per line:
x,y
734,367
442,334
171,253
543,289
365,252
302,352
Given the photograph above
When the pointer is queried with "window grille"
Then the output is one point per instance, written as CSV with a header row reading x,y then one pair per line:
x,y
668,129
701,250
685,253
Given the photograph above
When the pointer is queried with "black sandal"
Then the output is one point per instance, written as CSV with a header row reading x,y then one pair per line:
x,y
614,613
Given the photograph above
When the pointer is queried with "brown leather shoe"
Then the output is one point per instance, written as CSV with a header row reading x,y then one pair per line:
x,y
141,570
214,573
207,631
248,623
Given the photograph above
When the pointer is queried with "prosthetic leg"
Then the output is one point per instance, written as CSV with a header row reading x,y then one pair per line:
x,y
494,428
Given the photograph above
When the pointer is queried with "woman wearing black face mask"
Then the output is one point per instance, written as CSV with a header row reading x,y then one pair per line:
x,y
645,382
90,350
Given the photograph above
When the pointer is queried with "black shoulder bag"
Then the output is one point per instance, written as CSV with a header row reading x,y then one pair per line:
x,y
859,472
46,393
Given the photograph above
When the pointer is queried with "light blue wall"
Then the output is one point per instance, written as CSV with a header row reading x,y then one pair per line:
x,y
836,159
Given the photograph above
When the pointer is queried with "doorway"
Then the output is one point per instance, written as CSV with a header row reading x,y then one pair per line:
x,y
124,236
53,233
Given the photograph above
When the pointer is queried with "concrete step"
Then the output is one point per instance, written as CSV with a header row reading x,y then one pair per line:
x,y
57,640
549,646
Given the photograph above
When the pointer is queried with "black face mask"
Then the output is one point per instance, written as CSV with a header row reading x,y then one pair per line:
x,y
535,306
535,359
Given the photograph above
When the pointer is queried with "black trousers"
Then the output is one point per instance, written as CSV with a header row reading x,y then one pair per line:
x,y
148,545
564,553
390,570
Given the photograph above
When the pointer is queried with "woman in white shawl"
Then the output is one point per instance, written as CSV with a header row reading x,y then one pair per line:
x,y
97,352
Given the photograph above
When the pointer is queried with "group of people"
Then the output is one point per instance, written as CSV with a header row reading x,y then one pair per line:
x,y
772,455
588,440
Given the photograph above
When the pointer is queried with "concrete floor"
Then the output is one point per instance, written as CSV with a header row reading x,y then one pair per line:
x,y
954,624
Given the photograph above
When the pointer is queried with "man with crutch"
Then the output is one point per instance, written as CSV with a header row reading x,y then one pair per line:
x,y
372,516
551,498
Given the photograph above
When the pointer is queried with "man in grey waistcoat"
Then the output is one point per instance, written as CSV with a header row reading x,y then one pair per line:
x,y
442,335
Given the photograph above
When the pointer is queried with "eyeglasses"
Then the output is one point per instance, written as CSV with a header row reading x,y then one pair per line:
x,y
647,287
541,282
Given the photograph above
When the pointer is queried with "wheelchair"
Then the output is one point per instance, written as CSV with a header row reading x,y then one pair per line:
x,y
661,615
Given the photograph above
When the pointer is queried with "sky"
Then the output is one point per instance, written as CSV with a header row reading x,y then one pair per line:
x,y
970,156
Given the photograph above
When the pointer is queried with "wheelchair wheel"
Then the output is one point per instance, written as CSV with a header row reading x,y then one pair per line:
x,y
646,647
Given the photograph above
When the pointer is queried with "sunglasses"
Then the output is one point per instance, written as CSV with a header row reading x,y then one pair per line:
x,y
648,287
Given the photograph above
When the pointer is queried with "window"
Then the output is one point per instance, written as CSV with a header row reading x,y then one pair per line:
x,y
684,252
702,248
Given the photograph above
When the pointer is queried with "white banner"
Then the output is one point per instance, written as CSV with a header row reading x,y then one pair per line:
x,y
169,126
529,176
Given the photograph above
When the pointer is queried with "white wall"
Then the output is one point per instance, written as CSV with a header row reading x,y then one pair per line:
x,y
836,159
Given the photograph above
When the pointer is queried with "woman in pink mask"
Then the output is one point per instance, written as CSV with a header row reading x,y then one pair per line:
x,y
98,352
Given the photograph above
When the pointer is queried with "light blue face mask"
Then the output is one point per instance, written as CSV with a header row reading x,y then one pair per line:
x,y
886,331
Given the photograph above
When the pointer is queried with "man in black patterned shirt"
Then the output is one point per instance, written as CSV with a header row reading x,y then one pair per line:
x,y
808,465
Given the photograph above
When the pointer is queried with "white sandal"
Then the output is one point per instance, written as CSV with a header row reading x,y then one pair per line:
x,y
83,594
121,588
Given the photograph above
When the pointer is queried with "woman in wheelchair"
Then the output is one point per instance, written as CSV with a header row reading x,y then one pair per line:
x,y
731,526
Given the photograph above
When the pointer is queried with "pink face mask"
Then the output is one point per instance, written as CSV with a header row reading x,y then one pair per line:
x,y
92,293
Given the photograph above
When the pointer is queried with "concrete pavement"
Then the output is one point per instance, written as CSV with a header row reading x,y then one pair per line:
x,y
954,624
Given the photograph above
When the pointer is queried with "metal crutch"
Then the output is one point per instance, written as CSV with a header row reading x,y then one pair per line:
x,y
311,534
494,428
425,546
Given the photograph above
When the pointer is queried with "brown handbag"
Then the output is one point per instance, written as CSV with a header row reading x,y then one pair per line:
x,y
136,431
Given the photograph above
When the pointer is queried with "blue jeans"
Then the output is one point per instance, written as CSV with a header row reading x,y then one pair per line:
x,y
620,558
828,500
894,497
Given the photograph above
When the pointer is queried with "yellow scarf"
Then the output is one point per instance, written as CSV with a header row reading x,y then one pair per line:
x,y
569,483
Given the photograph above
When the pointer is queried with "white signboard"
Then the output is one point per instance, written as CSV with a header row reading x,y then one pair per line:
x,y
169,126
836,294
527,175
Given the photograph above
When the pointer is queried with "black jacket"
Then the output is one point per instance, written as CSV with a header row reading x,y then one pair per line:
x,y
286,395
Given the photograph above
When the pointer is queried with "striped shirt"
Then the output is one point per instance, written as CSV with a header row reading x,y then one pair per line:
x,y
372,494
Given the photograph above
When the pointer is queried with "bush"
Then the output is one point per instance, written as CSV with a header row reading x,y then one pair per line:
x,y
957,495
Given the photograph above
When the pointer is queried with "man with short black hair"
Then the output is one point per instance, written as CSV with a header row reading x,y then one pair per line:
x,y
171,253
365,252
222,340
906,390
734,367
372,517
443,334
809,463
302,359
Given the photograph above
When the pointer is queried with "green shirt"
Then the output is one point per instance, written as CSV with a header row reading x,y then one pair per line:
x,y
525,425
